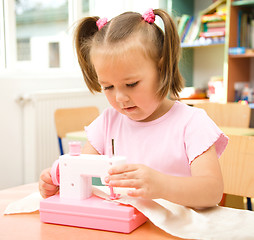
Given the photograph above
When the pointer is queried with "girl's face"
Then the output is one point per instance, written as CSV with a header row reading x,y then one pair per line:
x,y
130,84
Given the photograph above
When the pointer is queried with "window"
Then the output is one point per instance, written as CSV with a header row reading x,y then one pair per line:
x,y
54,56
2,37
85,7
41,27
36,35
23,49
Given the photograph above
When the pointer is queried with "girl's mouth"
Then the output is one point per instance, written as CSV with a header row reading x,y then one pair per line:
x,y
130,109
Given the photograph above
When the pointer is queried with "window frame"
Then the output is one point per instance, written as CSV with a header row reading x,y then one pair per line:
x,y
8,34
8,57
2,38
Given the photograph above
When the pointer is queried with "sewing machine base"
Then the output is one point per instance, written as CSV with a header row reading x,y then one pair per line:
x,y
93,212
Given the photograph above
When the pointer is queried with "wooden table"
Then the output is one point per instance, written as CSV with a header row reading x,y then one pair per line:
x,y
81,135
76,136
238,131
29,226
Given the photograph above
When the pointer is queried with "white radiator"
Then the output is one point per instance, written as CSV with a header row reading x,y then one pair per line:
x,y
40,144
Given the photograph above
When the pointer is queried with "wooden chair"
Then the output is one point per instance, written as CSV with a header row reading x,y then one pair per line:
x,y
237,165
73,119
228,114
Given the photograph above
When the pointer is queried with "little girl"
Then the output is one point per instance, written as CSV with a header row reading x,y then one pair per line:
x,y
172,149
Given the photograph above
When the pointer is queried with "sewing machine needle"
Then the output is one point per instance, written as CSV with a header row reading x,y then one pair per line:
x,y
113,147
113,195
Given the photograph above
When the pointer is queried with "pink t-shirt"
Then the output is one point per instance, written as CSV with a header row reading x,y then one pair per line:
x,y
168,144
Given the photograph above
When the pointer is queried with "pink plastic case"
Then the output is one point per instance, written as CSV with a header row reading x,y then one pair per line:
x,y
93,212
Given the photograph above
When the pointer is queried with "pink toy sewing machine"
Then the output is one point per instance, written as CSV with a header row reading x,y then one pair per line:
x,y
76,205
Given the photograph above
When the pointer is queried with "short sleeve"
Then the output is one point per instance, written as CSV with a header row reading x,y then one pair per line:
x,y
201,133
95,133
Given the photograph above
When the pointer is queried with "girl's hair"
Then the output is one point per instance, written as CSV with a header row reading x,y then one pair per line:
x,y
161,47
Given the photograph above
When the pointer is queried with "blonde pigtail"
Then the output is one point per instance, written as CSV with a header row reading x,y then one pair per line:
x,y
84,31
170,56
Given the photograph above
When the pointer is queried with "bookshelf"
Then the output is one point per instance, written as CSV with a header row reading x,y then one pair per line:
x,y
240,65
242,3
194,45
195,70
234,68
245,55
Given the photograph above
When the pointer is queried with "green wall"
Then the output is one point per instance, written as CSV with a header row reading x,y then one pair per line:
x,y
180,7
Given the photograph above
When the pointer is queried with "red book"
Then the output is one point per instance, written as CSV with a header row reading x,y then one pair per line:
x,y
212,18
217,29
212,34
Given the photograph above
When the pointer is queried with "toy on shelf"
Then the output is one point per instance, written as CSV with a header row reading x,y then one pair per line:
x,y
76,205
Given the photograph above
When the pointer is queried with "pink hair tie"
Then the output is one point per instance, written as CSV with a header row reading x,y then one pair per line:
x,y
149,16
101,23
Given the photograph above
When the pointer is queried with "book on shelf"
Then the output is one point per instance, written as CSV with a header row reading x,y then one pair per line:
x,y
212,34
239,28
236,50
245,33
213,18
187,28
244,38
182,24
193,33
218,29
214,25
208,24
252,33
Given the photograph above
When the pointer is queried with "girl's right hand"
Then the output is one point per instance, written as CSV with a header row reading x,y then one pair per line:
x,y
46,186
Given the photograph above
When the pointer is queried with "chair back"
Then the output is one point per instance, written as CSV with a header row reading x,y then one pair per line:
x,y
237,165
227,114
73,119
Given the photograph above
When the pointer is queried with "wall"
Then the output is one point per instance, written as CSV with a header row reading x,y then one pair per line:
x,y
198,64
186,62
12,86
208,62
97,7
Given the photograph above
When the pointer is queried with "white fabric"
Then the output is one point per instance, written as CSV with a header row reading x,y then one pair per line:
x,y
218,223
31,203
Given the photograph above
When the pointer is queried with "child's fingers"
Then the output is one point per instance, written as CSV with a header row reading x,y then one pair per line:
x,y
136,192
126,175
46,186
122,176
46,177
46,189
46,194
122,168
129,183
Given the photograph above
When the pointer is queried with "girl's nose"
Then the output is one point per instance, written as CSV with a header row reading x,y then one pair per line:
x,y
121,96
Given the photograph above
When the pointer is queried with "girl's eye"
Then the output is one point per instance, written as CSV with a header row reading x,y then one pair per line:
x,y
109,87
132,84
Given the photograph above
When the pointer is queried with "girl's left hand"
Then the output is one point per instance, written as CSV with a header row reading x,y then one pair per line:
x,y
145,181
